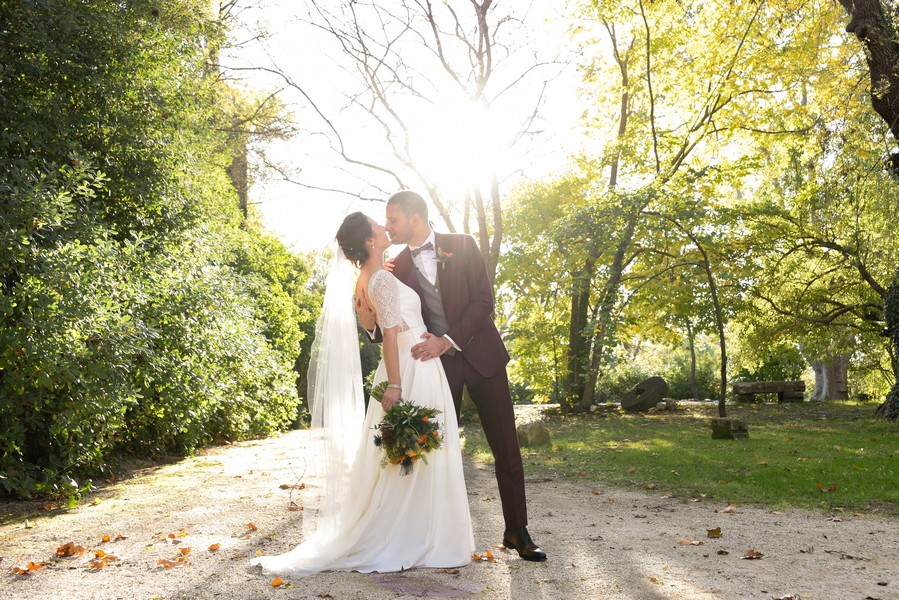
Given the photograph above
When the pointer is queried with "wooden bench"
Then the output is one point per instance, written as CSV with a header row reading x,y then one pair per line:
x,y
787,391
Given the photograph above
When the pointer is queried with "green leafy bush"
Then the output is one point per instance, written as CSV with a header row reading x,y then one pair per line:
x,y
137,310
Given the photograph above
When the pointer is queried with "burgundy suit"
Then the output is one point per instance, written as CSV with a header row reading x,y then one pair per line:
x,y
467,296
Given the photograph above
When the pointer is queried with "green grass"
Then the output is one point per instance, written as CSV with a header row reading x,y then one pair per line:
x,y
791,449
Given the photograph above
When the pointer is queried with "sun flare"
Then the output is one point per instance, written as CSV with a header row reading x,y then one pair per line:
x,y
457,144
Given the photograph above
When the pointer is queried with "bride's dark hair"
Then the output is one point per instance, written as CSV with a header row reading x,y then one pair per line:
x,y
352,235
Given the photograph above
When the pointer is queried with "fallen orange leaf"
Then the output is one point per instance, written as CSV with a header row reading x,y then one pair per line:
x,y
184,551
277,581
33,566
686,542
105,538
214,547
752,553
178,561
252,527
69,549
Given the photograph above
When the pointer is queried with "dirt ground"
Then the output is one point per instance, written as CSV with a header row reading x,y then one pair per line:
x,y
602,543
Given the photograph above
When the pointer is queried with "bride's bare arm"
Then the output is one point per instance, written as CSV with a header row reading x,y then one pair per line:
x,y
383,293
389,348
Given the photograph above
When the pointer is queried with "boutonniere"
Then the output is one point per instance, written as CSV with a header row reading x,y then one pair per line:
x,y
443,257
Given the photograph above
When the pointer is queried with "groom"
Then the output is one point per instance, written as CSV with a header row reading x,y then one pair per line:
x,y
449,274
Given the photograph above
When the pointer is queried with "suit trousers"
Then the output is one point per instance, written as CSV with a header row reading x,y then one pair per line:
x,y
493,402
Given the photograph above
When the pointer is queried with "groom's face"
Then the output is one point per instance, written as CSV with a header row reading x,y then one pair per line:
x,y
398,227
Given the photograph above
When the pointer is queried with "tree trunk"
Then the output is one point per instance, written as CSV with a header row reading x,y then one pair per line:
x,y
605,310
238,173
830,378
875,30
691,338
890,408
578,338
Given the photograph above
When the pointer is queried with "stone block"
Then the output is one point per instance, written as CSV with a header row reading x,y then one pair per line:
x,y
728,429
534,433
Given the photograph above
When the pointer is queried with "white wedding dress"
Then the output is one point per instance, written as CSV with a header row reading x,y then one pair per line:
x,y
388,521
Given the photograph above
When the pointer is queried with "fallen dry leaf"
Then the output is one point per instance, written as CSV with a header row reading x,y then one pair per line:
x,y
714,533
752,554
632,469
656,580
214,547
101,561
294,507
105,539
178,561
787,597
832,488
69,549
728,509
184,551
252,527
277,581
28,569
686,542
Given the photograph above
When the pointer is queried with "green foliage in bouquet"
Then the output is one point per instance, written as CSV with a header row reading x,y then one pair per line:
x,y
407,432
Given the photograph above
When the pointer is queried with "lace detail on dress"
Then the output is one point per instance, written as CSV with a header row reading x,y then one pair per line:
x,y
384,292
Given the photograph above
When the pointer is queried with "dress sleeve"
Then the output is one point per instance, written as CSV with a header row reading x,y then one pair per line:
x,y
383,290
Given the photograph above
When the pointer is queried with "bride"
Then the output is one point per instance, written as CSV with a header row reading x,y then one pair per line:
x,y
373,518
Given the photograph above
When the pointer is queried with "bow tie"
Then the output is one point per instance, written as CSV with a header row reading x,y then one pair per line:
x,y
420,249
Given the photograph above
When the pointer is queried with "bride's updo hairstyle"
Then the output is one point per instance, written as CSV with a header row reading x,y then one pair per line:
x,y
352,235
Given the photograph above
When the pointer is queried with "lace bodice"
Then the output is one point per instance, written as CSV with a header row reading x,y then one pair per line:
x,y
397,304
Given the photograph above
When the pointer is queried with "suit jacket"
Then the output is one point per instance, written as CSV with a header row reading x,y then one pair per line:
x,y
467,296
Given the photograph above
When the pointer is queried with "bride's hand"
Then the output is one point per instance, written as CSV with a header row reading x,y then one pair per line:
x,y
391,397
388,265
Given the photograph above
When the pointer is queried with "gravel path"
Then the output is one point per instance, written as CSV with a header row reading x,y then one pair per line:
x,y
602,543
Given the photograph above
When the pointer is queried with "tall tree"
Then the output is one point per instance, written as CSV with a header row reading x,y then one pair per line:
x,y
450,88
875,24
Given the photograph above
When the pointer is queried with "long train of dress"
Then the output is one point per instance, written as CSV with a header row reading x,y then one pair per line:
x,y
388,521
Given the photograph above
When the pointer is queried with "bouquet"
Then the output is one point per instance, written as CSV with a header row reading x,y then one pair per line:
x,y
406,433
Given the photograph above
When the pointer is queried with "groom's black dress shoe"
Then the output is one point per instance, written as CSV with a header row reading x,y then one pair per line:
x,y
519,539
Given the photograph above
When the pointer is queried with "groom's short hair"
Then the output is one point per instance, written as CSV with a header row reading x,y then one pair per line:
x,y
410,203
